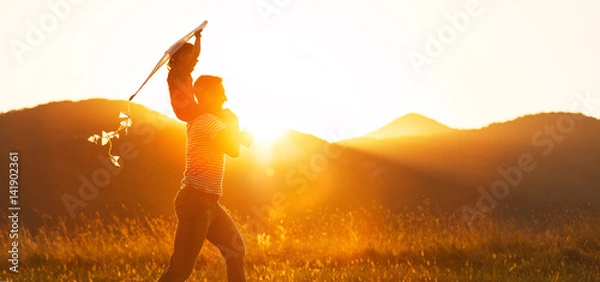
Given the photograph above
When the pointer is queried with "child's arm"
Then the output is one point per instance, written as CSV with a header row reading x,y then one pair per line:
x,y
181,90
182,98
197,45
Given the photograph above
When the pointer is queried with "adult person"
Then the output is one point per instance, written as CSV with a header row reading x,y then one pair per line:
x,y
211,135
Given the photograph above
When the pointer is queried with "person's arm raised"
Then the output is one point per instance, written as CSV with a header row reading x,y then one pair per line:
x,y
182,97
197,45
180,86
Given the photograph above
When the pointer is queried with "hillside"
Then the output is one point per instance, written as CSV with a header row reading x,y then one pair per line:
x,y
58,163
561,148
60,171
409,125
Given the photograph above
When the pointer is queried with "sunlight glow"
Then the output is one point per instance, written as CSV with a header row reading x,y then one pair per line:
x,y
265,133
276,82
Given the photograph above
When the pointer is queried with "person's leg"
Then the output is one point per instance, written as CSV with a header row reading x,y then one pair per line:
x,y
225,235
194,215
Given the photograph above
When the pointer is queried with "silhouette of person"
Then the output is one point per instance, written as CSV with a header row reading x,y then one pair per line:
x,y
212,133
180,65
179,80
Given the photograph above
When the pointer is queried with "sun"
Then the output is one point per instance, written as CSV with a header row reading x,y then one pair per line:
x,y
276,82
265,133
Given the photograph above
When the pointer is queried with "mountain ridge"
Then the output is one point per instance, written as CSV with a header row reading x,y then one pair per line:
x,y
411,124
63,174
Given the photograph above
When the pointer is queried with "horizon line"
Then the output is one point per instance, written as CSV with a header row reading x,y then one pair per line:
x,y
303,132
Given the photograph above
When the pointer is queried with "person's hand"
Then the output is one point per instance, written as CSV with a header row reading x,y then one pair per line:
x,y
196,52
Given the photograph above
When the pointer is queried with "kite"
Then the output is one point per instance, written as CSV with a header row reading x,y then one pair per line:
x,y
125,123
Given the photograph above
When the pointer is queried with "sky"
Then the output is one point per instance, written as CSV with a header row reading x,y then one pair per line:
x,y
331,68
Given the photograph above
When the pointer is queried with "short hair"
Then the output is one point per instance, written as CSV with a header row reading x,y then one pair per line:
x,y
207,83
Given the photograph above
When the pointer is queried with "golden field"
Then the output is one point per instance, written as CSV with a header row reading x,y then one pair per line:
x,y
362,245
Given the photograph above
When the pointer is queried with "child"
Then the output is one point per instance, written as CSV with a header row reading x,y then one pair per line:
x,y
180,67
184,96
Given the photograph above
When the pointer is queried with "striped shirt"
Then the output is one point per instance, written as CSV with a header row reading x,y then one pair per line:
x,y
205,162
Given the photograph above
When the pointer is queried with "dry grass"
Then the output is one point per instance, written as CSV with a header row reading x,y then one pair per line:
x,y
363,245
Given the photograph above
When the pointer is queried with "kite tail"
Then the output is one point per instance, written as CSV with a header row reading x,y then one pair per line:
x,y
125,123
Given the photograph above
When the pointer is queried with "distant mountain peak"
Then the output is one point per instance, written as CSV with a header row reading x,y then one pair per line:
x,y
411,124
413,115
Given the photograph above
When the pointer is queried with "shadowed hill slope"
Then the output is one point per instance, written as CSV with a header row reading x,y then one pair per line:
x,y
61,172
561,149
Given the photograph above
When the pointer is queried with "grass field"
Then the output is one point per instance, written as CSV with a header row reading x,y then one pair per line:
x,y
363,245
